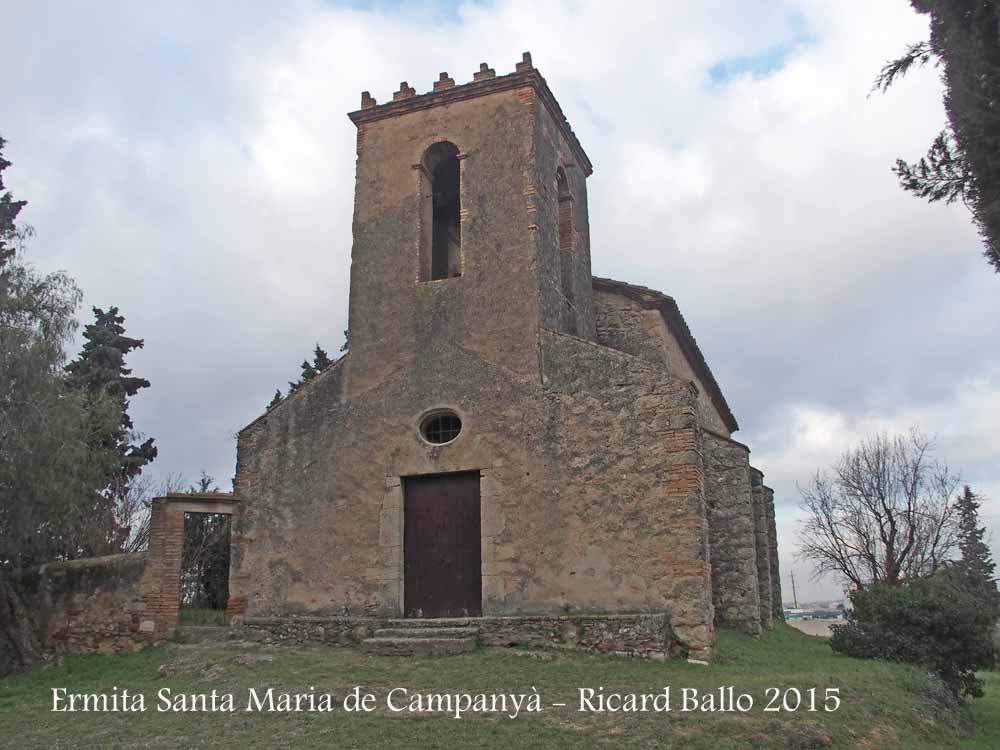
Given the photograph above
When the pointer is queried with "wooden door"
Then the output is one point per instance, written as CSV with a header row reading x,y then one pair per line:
x,y
442,574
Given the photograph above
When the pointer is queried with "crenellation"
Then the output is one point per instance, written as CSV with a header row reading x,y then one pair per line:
x,y
526,80
444,82
405,92
484,73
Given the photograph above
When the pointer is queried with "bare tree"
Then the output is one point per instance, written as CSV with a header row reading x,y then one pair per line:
x,y
135,504
883,514
121,525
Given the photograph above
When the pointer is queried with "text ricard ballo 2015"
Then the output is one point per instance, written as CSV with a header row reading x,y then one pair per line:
x,y
402,700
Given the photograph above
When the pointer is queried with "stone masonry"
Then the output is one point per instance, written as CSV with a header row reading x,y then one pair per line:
x,y
90,605
609,484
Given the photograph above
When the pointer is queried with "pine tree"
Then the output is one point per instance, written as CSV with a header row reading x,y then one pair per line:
x,y
976,564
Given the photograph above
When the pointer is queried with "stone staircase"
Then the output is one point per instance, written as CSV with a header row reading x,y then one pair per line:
x,y
435,637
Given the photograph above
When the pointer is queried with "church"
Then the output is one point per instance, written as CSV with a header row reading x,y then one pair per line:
x,y
511,443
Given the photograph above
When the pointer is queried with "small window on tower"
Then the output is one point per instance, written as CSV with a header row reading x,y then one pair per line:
x,y
567,260
441,243
565,211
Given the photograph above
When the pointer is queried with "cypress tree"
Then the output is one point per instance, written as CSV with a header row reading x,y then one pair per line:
x,y
276,400
100,369
976,564
962,162
320,359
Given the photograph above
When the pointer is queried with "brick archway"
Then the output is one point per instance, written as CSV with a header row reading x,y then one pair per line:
x,y
161,583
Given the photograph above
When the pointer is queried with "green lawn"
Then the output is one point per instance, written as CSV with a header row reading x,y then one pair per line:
x,y
201,616
883,706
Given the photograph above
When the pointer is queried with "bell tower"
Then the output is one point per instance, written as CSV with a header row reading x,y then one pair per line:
x,y
470,226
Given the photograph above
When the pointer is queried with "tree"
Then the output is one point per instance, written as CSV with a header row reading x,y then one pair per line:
x,y
884,515
205,484
205,557
308,373
133,509
935,621
10,233
276,400
320,359
100,372
49,464
100,367
976,566
962,162
309,370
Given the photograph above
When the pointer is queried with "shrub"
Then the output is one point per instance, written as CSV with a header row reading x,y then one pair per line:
x,y
936,622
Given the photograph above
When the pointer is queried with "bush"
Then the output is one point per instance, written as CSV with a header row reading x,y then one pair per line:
x,y
936,622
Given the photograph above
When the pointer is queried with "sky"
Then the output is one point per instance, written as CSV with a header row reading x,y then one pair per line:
x,y
193,164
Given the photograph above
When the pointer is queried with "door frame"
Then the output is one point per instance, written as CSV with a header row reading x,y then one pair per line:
x,y
390,574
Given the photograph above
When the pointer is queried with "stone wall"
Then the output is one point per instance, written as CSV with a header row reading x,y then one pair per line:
x,y
591,489
392,315
642,635
776,602
88,605
631,477
645,635
558,269
729,501
625,324
329,631
763,546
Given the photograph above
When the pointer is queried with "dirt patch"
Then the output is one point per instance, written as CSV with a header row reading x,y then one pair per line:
x,y
819,628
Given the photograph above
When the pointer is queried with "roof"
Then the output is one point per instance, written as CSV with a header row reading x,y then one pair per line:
x,y
651,299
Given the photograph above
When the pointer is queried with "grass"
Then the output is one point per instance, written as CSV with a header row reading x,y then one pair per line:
x,y
884,706
201,616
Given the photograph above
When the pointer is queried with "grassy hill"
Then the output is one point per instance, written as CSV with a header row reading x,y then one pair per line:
x,y
883,706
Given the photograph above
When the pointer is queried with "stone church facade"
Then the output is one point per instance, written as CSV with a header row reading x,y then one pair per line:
x,y
508,436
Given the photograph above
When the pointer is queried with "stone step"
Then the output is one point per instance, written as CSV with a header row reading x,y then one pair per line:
x,y
433,622
428,632
414,646
203,633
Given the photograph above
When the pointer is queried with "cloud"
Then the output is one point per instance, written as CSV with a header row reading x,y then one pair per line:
x,y
194,166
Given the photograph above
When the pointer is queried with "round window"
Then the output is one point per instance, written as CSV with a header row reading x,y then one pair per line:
x,y
441,427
